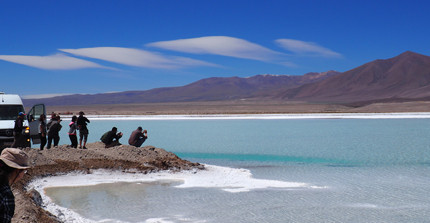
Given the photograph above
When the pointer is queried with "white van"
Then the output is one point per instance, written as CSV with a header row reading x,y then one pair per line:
x,y
10,106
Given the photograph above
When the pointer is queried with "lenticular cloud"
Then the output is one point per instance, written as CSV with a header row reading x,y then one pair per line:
x,y
53,62
219,45
135,57
302,47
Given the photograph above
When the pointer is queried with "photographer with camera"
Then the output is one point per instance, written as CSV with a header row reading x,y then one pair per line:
x,y
111,138
138,137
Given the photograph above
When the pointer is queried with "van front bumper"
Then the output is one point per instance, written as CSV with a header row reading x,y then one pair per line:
x,y
6,138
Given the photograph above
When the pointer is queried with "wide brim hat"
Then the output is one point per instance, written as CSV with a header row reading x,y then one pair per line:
x,y
15,158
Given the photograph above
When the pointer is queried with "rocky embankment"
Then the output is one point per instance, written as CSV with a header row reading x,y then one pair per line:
x,y
64,159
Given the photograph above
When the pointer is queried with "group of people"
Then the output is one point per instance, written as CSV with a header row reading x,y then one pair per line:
x,y
137,137
53,127
49,132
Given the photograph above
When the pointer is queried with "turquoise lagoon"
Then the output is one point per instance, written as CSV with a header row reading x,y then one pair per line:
x,y
354,170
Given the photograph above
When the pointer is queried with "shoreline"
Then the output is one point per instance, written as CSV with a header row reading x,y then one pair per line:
x,y
63,160
237,107
65,166
232,180
382,115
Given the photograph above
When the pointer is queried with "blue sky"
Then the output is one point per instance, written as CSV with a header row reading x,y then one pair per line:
x,y
63,47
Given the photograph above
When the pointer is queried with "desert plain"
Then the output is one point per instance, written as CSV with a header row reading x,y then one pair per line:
x,y
240,107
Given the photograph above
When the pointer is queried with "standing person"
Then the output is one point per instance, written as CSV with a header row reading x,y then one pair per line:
x,y
72,132
53,115
83,130
13,165
17,130
48,125
111,138
137,137
53,131
42,131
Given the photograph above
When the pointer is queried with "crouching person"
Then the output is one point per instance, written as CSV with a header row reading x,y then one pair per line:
x,y
138,137
111,138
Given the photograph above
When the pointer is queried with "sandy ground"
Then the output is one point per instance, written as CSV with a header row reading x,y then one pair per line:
x,y
65,159
237,107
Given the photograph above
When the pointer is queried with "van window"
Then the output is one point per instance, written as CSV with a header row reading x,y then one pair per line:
x,y
10,112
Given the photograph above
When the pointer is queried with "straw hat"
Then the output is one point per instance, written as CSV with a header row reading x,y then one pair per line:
x,y
15,158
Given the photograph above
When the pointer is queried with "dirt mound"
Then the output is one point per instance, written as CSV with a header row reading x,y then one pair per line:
x,y
65,159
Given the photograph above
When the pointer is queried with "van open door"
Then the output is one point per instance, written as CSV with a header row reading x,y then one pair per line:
x,y
33,121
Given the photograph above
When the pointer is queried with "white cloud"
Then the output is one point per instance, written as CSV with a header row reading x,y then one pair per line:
x,y
53,62
219,45
306,48
40,96
136,57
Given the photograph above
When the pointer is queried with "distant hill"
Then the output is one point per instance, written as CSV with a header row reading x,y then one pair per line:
x,y
209,89
405,77
402,78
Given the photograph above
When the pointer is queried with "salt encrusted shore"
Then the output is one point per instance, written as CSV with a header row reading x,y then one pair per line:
x,y
64,159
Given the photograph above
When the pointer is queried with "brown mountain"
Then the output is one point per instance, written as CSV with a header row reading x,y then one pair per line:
x,y
210,89
404,77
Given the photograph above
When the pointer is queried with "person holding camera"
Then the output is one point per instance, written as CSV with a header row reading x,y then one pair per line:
x,y
111,138
138,137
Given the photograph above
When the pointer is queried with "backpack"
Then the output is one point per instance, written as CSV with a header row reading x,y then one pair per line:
x,y
55,127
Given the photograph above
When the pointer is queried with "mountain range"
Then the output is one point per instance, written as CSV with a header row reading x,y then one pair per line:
x,y
401,78
404,77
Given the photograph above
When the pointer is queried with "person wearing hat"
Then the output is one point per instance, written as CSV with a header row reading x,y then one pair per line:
x,y
13,165
17,130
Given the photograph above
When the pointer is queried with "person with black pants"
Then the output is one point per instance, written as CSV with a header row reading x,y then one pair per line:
x,y
42,131
53,131
72,132
17,131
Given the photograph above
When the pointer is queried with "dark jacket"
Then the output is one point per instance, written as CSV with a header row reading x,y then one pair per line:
x,y
55,128
135,135
82,123
19,125
108,137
